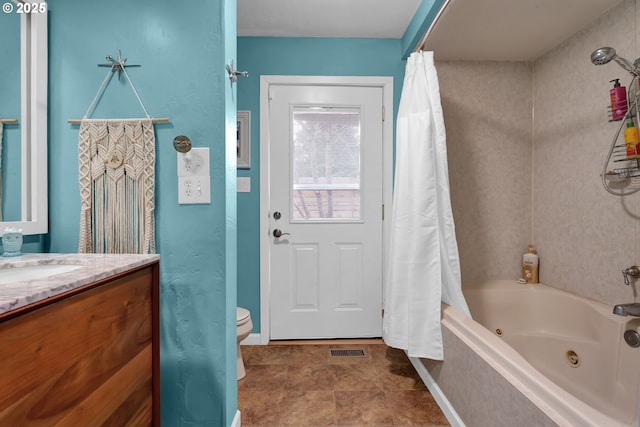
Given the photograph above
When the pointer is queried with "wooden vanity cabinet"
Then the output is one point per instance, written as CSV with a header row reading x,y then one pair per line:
x,y
88,357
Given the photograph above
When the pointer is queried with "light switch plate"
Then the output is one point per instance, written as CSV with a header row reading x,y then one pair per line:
x,y
194,189
243,184
195,162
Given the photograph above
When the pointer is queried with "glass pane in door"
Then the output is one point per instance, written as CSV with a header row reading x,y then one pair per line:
x,y
326,164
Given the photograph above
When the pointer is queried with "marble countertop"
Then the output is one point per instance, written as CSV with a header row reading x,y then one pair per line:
x,y
93,267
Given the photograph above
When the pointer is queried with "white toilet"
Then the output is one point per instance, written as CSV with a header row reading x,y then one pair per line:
x,y
244,325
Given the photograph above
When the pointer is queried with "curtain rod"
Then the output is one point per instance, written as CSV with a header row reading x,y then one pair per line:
x,y
8,120
157,120
427,33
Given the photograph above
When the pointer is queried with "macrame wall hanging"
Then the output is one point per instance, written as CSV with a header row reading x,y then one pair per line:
x,y
117,177
116,159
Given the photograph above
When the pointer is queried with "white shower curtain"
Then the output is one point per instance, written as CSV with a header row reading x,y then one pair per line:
x,y
424,266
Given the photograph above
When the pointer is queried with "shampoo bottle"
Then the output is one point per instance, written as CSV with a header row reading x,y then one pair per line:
x,y
631,139
530,266
618,96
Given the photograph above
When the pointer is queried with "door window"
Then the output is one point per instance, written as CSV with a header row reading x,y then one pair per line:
x,y
326,171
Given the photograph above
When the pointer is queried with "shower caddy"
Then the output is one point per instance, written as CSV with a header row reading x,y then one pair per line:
x,y
625,170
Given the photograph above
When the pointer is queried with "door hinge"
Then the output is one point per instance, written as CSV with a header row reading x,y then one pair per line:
x,y
383,113
383,312
383,211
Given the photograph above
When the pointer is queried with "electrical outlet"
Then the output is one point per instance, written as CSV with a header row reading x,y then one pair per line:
x,y
194,189
195,162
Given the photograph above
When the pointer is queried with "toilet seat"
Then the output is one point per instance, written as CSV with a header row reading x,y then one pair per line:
x,y
243,327
242,315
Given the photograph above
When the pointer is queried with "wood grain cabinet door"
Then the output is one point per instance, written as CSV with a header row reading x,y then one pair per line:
x,y
87,359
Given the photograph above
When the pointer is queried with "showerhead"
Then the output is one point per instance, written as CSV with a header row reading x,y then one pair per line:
x,y
604,55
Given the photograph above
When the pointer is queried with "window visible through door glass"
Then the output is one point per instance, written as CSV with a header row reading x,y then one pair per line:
x,y
326,164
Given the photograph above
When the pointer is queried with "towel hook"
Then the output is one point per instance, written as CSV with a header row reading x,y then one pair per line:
x,y
233,74
117,65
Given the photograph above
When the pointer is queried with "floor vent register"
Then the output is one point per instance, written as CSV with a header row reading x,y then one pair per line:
x,y
343,352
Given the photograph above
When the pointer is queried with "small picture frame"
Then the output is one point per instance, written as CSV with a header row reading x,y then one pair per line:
x,y
243,145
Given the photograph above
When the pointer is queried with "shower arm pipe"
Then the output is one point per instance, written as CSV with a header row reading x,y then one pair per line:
x,y
603,175
627,65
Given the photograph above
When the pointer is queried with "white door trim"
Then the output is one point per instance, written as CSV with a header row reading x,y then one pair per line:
x,y
386,83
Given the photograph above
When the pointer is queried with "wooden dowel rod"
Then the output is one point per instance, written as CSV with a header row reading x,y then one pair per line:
x,y
153,120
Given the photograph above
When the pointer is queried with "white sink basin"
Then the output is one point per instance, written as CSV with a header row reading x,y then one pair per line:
x,y
34,272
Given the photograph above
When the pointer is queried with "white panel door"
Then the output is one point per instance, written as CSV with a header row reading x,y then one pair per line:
x,y
325,188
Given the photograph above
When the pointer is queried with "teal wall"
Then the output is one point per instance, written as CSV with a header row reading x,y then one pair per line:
x,y
182,48
306,56
294,56
182,51
231,243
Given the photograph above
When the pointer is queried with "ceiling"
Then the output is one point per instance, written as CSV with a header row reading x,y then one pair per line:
x,y
468,29
325,18
515,30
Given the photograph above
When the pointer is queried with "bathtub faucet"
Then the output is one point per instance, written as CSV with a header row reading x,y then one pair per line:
x,y
632,309
632,271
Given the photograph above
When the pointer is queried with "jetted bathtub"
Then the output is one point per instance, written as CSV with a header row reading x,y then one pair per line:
x,y
535,356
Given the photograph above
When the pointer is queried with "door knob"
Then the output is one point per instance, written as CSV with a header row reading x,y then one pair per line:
x,y
278,233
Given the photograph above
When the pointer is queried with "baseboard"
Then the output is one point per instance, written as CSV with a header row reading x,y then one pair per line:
x,y
447,409
253,339
257,339
330,341
237,422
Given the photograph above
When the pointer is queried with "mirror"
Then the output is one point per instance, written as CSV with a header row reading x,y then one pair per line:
x,y
26,168
9,115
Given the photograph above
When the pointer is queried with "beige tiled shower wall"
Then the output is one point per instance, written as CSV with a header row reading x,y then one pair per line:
x,y
500,114
487,111
585,235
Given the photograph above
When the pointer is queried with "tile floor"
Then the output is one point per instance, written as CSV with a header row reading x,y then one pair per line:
x,y
301,385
